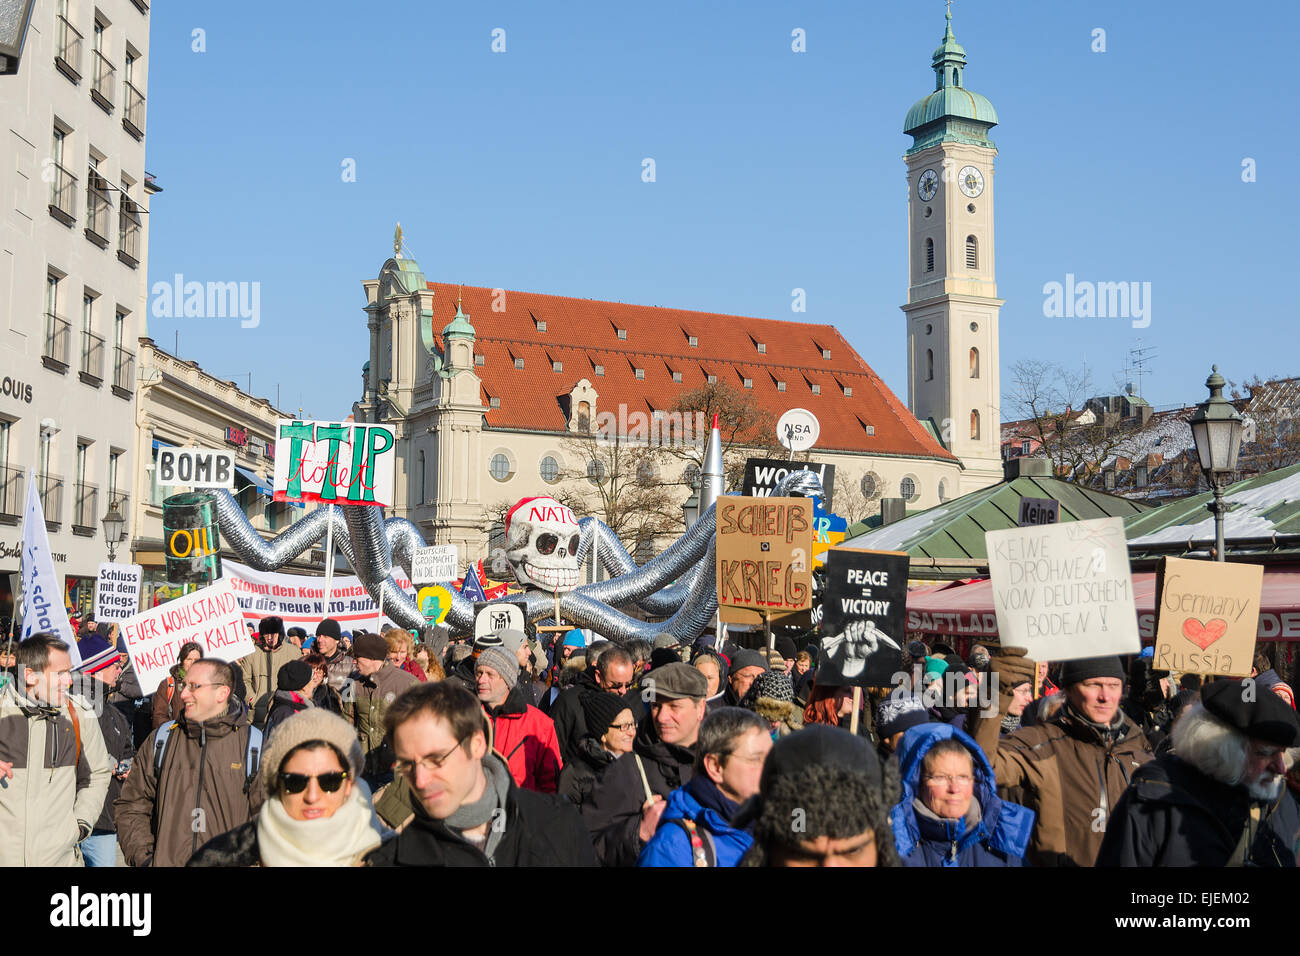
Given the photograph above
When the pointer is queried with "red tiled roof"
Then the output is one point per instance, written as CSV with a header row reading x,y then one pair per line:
x,y
583,333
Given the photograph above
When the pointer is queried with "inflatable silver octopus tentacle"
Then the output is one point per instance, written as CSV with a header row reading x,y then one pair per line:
x,y
371,544
617,562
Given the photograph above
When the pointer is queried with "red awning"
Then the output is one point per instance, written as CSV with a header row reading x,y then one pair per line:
x,y
966,610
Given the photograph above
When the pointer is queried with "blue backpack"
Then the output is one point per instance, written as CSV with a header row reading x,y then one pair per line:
x,y
252,751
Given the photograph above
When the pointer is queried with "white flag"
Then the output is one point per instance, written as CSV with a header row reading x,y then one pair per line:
x,y
42,597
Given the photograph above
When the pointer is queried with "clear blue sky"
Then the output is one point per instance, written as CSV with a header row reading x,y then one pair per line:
x,y
775,170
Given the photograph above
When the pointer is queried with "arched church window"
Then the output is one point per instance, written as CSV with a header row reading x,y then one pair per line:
x,y
972,253
929,255
929,364
974,424
956,77
974,363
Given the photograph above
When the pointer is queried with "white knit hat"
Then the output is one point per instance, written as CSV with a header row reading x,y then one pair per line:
x,y
314,723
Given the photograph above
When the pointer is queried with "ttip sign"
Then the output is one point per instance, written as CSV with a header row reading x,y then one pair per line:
x,y
345,464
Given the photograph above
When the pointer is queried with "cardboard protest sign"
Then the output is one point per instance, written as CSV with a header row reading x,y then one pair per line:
x,y
298,599
195,467
1207,616
191,538
436,564
1064,591
1035,511
492,619
762,475
434,603
864,606
346,464
211,617
117,591
764,558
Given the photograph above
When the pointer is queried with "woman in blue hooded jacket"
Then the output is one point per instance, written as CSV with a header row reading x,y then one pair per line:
x,y
950,813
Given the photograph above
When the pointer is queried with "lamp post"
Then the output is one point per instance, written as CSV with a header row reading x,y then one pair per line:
x,y
114,530
1216,429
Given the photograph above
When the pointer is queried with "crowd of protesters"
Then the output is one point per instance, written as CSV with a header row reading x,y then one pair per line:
x,y
400,749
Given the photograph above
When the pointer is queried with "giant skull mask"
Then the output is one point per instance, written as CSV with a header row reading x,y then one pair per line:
x,y
542,544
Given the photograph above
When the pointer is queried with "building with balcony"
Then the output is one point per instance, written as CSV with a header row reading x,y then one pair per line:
x,y
74,198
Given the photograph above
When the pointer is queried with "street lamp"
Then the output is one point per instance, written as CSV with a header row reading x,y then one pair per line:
x,y
690,510
114,529
1216,428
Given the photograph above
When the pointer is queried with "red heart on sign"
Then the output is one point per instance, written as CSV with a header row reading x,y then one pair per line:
x,y
1203,635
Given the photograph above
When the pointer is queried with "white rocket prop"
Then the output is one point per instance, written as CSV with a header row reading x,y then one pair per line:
x,y
711,479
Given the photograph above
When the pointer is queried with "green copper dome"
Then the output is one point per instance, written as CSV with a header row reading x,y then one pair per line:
x,y
459,325
951,113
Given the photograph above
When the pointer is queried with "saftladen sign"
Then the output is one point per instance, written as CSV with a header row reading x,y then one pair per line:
x,y
762,475
764,558
1064,591
863,608
211,617
1207,616
344,464
196,467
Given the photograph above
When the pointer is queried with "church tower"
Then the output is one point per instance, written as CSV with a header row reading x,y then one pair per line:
x,y
952,306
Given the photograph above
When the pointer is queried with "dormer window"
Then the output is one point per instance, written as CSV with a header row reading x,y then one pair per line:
x,y
826,353
494,402
640,374
749,383
480,359
557,366
600,370
816,389
677,377
541,325
848,391
712,379
519,363
622,334
692,341
762,348
780,386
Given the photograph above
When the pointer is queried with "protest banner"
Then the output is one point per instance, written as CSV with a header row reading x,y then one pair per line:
x,y
1064,591
492,619
195,467
762,475
435,564
1207,616
764,559
211,617
864,605
117,591
42,602
434,603
299,599
345,464
191,538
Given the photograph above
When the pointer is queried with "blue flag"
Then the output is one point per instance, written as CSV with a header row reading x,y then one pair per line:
x,y
471,588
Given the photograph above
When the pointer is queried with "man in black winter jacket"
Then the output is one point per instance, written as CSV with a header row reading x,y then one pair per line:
x,y
467,809
612,674
1219,798
624,808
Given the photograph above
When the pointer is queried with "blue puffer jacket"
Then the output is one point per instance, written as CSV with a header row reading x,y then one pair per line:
x,y
670,846
999,838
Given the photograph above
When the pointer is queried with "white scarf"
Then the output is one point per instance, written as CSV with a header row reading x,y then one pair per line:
x,y
339,840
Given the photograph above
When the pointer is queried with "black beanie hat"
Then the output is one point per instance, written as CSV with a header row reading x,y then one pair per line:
x,y
329,628
601,710
271,625
1252,709
786,646
1072,672
294,675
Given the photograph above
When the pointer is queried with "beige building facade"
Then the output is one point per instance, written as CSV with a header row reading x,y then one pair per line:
x,y
74,198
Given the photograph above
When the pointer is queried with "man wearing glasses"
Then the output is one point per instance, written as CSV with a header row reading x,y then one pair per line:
x,y
613,674
468,809
199,783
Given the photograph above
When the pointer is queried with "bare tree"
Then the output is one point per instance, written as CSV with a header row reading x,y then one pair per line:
x,y
746,429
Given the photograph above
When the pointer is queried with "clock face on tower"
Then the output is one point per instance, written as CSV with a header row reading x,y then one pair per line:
x,y
927,185
971,181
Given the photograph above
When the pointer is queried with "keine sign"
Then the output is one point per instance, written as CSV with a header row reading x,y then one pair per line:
x,y
211,617
1207,616
1064,591
864,606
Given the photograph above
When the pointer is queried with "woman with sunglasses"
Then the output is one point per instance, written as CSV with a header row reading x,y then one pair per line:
x,y
318,811
611,728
